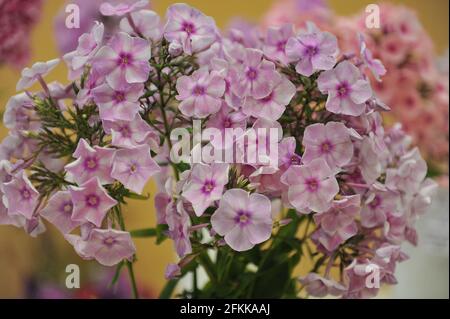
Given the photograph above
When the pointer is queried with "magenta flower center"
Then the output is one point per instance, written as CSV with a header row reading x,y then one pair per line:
x,y
252,74
119,96
326,147
295,159
188,27
311,50
124,59
281,45
343,89
198,90
92,200
242,218
90,163
125,131
25,193
208,186
312,185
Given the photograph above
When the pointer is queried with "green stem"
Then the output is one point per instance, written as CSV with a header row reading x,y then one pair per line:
x,y
118,210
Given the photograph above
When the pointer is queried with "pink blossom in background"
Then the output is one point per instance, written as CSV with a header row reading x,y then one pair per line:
x,y
17,18
244,219
67,38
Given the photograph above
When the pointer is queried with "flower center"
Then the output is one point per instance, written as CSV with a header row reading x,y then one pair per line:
x,y
311,51
124,59
198,90
295,159
125,131
92,200
242,218
25,193
312,185
67,207
188,27
119,96
252,74
326,147
342,90
109,241
90,163
208,187
133,168
281,45
227,122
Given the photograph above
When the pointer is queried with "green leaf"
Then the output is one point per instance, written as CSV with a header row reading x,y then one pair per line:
x,y
161,233
147,232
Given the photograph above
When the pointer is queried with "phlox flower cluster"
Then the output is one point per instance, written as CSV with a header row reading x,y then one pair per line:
x,y
77,152
17,18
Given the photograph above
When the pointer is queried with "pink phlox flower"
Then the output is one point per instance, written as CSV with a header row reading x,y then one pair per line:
x,y
244,219
312,50
59,212
37,71
275,44
134,167
200,94
330,141
91,202
91,162
347,90
124,59
189,27
312,186
205,185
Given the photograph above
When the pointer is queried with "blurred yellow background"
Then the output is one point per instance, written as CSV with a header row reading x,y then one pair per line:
x,y
20,254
